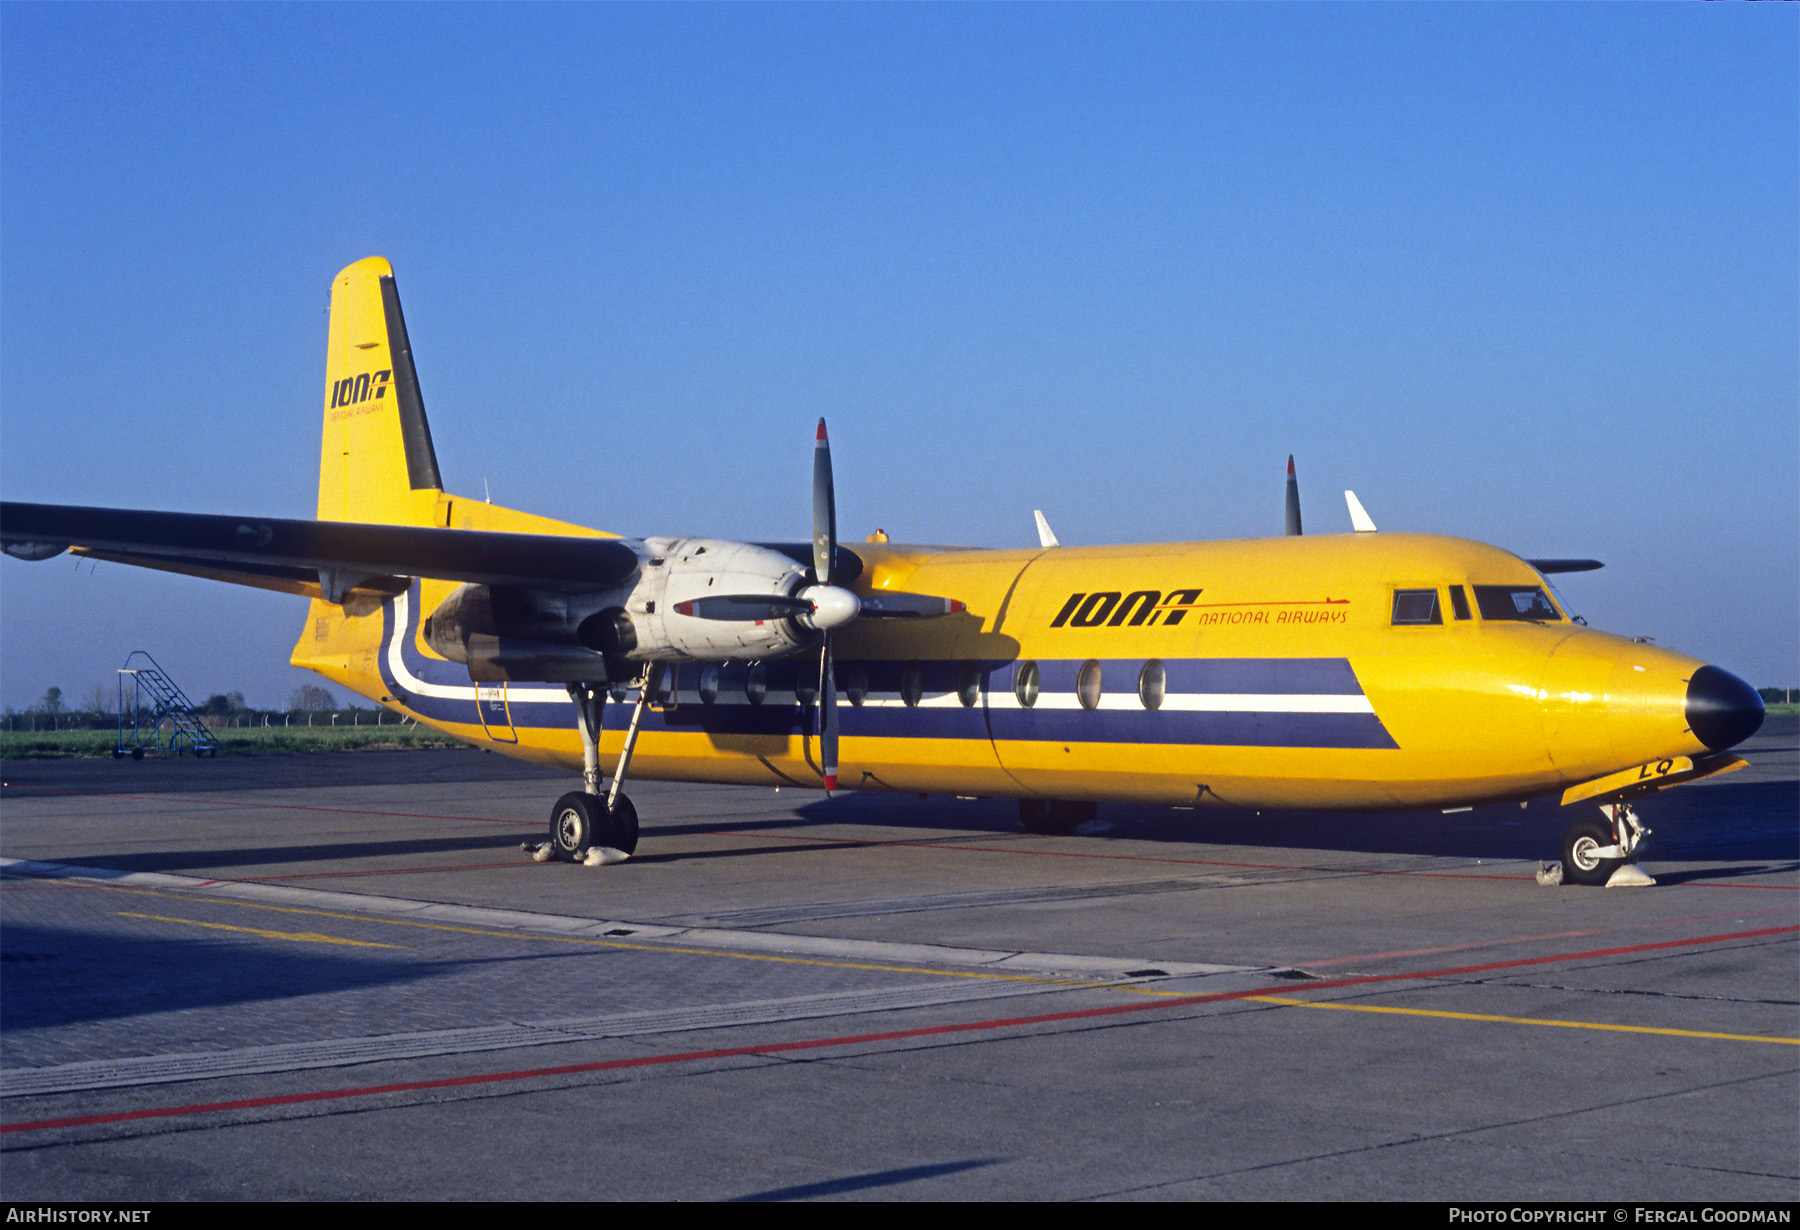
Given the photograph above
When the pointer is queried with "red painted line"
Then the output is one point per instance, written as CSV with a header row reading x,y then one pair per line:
x,y
384,871
1195,606
303,875
812,1044
336,811
962,847
1314,963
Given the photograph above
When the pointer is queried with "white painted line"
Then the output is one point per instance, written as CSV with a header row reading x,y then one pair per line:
x,y
823,947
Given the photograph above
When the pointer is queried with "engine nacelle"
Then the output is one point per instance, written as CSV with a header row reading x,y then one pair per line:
x,y
692,569
519,635
515,635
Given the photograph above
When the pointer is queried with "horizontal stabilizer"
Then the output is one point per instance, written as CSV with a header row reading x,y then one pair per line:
x,y
336,556
1565,565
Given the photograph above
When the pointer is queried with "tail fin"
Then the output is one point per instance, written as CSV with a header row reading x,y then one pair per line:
x,y
376,462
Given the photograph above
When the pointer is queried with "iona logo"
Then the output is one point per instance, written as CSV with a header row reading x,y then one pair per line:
x,y
1114,609
353,389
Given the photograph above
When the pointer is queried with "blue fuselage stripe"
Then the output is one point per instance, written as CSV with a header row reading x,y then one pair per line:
x,y
941,715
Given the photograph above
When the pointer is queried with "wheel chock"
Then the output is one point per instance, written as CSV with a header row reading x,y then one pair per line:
x,y
1629,875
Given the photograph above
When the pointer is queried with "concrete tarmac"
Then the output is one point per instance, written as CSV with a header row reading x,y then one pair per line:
x,y
339,977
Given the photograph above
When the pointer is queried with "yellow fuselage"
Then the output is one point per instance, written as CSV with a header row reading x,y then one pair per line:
x,y
1255,673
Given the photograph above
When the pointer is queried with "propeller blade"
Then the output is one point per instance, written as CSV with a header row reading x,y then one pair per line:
x,y
738,608
824,514
1293,499
892,604
828,725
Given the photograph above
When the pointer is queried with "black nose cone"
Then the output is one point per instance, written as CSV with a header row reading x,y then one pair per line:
x,y
1722,710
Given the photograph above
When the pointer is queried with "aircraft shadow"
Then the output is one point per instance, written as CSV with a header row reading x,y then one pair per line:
x,y
1752,824
866,1182
57,976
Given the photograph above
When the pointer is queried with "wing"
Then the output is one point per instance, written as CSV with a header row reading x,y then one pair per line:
x,y
314,558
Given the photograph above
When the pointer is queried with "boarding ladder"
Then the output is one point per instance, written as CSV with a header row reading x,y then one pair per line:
x,y
155,705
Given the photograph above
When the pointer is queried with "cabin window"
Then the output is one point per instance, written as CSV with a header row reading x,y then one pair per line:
x,y
1459,602
1025,684
1087,685
856,685
756,683
709,683
912,685
1515,602
1152,681
968,684
1417,606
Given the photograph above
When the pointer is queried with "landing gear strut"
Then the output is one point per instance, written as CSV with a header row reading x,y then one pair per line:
x,y
1593,850
583,819
1054,817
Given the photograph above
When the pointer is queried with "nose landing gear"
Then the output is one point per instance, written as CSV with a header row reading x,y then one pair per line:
x,y
1604,851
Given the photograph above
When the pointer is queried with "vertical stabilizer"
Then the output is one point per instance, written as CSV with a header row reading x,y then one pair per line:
x,y
376,461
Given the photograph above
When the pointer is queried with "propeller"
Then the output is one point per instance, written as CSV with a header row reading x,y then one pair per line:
x,y
821,604
1293,499
824,545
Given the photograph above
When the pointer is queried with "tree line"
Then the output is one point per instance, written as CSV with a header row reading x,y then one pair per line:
x,y
98,708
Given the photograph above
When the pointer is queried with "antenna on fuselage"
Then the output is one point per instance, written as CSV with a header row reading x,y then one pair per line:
x,y
1359,520
1045,537
1293,500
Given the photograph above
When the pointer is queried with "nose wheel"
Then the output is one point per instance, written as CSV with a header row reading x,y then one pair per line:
x,y
1594,850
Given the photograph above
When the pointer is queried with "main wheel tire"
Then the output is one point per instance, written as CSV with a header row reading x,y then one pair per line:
x,y
574,823
1580,862
620,829
1034,815
1054,817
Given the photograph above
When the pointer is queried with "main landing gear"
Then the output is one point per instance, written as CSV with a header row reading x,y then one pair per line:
x,y
1054,817
585,820
1596,851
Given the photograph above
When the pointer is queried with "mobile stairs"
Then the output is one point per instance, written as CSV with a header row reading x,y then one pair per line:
x,y
158,716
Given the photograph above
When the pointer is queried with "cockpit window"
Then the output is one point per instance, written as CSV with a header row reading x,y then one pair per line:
x,y
1417,606
1515,602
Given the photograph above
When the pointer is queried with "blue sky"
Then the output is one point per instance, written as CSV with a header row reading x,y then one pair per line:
x,y
1523,273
